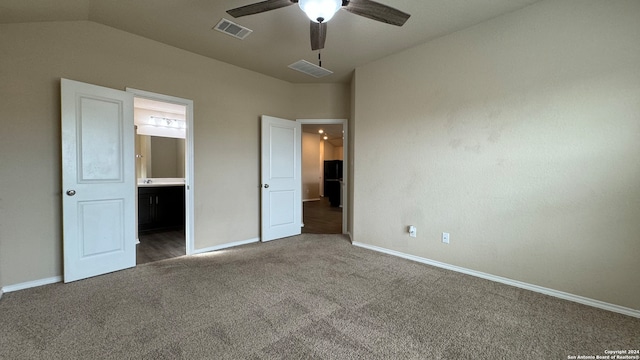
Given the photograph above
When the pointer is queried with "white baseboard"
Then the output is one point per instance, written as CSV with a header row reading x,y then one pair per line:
x,y
30,284
225,246
305,200
519,284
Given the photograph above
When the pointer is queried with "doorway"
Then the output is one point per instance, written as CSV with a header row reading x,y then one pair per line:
x,y
164,172
324,176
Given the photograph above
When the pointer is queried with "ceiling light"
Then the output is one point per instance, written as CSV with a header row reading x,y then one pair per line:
x,y
320,131
326,137
320,10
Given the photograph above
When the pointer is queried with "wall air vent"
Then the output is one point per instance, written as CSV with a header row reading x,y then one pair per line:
x,y
310,69
233,29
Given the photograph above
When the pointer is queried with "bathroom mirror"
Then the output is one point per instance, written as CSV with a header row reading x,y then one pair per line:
x,y
159,157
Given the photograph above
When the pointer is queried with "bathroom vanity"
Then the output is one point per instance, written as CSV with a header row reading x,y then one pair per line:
x,y
160,205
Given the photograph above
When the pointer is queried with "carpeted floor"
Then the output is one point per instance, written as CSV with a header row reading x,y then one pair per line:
x,y
305,297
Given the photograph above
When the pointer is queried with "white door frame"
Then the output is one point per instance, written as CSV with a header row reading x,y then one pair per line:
x,y
345,162
189,170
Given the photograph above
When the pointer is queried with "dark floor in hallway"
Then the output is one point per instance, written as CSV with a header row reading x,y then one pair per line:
x,y
320,218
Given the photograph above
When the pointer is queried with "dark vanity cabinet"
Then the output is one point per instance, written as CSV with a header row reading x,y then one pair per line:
x,y
160,208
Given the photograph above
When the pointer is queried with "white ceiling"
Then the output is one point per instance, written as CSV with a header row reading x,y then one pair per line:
x,y
142,103
280,37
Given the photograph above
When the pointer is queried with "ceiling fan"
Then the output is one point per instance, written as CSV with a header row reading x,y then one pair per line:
x,y
321,11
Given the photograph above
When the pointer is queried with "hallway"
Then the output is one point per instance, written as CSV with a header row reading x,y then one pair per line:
x,y
320,218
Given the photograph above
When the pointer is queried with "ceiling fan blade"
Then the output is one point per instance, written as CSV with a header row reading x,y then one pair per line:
x,y
376,11
318,35
259,7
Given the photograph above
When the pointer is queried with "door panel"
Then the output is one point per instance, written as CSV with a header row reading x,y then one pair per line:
x,y
282,152
100,140
281,178
99,237
98,180
282,205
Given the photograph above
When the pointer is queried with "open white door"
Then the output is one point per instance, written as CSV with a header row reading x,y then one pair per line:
x,y
98,180
281,178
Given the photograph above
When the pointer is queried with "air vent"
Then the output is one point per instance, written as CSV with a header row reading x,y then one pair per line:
x,y
233,29
310,69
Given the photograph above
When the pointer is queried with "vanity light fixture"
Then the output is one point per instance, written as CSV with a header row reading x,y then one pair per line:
x,y
168,122
161,126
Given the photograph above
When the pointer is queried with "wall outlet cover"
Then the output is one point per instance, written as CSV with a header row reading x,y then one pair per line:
x,y
412,231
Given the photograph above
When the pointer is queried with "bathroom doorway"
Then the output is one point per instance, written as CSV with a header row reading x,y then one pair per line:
x,y
164,171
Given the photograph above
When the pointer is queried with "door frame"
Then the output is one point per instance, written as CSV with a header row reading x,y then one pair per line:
x,y
189,168
345,163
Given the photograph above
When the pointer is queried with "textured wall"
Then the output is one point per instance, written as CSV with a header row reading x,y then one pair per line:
x,y
310,166
321,101
519,136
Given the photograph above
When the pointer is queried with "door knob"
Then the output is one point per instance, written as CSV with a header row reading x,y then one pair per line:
x,y
266,186
71,192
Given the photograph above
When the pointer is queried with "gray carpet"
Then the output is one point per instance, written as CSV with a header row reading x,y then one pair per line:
x,y
306,297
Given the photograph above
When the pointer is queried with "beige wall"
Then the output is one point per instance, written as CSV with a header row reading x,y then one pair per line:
x,y
333,152
328,151
338,153
518,136
226,127
310,166
321,101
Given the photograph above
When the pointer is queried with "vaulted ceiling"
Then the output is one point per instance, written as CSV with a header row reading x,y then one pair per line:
x,y
280,37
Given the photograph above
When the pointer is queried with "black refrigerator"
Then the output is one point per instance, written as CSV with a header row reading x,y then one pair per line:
x,y
332,179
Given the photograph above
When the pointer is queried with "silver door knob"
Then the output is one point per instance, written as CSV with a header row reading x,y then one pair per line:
x,y
71,192
266,186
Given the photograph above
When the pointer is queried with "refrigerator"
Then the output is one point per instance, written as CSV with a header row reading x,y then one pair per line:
x,y
332,181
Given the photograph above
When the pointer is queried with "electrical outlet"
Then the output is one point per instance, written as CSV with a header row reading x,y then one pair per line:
x,y
445,238
412,231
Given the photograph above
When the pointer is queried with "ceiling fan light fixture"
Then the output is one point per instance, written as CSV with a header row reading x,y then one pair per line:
x,y
320,10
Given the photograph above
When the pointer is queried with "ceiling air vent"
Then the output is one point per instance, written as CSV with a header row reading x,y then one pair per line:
x,y
310,69
233,29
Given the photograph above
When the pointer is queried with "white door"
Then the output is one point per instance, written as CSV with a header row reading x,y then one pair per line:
x,y
281,178
98,180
